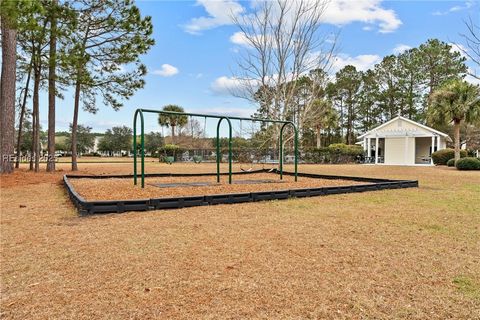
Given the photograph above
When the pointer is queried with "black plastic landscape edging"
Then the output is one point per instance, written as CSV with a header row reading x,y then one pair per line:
x,y
118,206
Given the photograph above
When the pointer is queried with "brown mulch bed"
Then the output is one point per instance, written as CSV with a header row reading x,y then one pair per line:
x,y
123,188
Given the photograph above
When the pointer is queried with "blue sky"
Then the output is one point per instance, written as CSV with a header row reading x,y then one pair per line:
x,y
194,57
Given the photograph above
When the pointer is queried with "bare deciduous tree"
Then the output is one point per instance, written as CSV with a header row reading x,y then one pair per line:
x,y
283,42
472,41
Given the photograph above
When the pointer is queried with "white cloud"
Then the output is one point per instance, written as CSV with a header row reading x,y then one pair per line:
x,y
167,70
460,48
239,38
224,85
227,85
362,62
337,12
400,48
342,12
472,79
219,13
467,5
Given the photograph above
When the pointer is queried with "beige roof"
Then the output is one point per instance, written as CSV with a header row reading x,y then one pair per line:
x,y
401,126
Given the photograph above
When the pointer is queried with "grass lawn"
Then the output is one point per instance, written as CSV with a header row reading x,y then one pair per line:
x,y
412,253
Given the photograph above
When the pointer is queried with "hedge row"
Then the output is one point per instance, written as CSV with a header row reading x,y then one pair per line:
x,y
468,163
441,157
334,153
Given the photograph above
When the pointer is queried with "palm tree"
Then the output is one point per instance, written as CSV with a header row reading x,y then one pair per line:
x,y
455,101
170,120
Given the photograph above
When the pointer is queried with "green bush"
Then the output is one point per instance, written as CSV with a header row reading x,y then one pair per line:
x,y
451,163
334,153
170,150
345,149
468,163
471,153
441,157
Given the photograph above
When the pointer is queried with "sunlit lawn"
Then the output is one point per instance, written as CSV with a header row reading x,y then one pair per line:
x,y
411,253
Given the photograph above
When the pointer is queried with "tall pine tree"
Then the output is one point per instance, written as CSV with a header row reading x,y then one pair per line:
x,y
105,56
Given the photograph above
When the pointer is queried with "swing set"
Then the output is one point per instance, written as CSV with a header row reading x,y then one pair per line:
x,y
196,158
220,118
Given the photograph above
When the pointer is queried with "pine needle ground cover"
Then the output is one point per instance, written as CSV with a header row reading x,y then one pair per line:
x,y
385,254
164,187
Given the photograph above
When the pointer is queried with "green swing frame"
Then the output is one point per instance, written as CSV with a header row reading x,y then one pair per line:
x,y
140,112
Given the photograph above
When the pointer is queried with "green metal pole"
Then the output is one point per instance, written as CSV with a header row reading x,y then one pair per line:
x,y
281,151
229,149
142,142
218,151
229,152
296,151
295,146
135,147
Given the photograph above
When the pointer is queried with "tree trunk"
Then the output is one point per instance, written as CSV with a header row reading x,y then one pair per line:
x,y
7,97
51,88
173,134
22,115
75,124
319,138
32,147
456,124
36,112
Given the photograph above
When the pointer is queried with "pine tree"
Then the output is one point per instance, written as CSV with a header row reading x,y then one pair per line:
x,y
346,89
110,34
369,112
411,82
440,64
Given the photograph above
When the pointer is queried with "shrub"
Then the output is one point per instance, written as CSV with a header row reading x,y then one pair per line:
x,y
451,163
334,153
92,154
170,150
471,153
344,149
468,163
441,157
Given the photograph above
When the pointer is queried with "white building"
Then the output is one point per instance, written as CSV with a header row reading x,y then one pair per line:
x,y
402,141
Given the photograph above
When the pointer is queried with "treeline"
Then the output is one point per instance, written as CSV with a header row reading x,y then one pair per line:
x,y
335,109
117,140
90,46
399,84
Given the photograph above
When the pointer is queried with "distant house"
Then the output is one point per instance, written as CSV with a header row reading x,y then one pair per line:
x,y
95,149
402,141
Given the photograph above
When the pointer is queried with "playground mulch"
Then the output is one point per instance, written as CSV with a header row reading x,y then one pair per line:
x,y
167,187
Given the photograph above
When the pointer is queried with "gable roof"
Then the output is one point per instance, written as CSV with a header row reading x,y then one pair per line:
x,y
407,120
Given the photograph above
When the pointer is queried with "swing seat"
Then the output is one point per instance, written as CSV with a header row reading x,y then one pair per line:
x,y
197,159
169,160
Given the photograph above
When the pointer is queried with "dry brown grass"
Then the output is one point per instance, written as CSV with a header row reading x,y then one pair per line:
x,y
412,253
